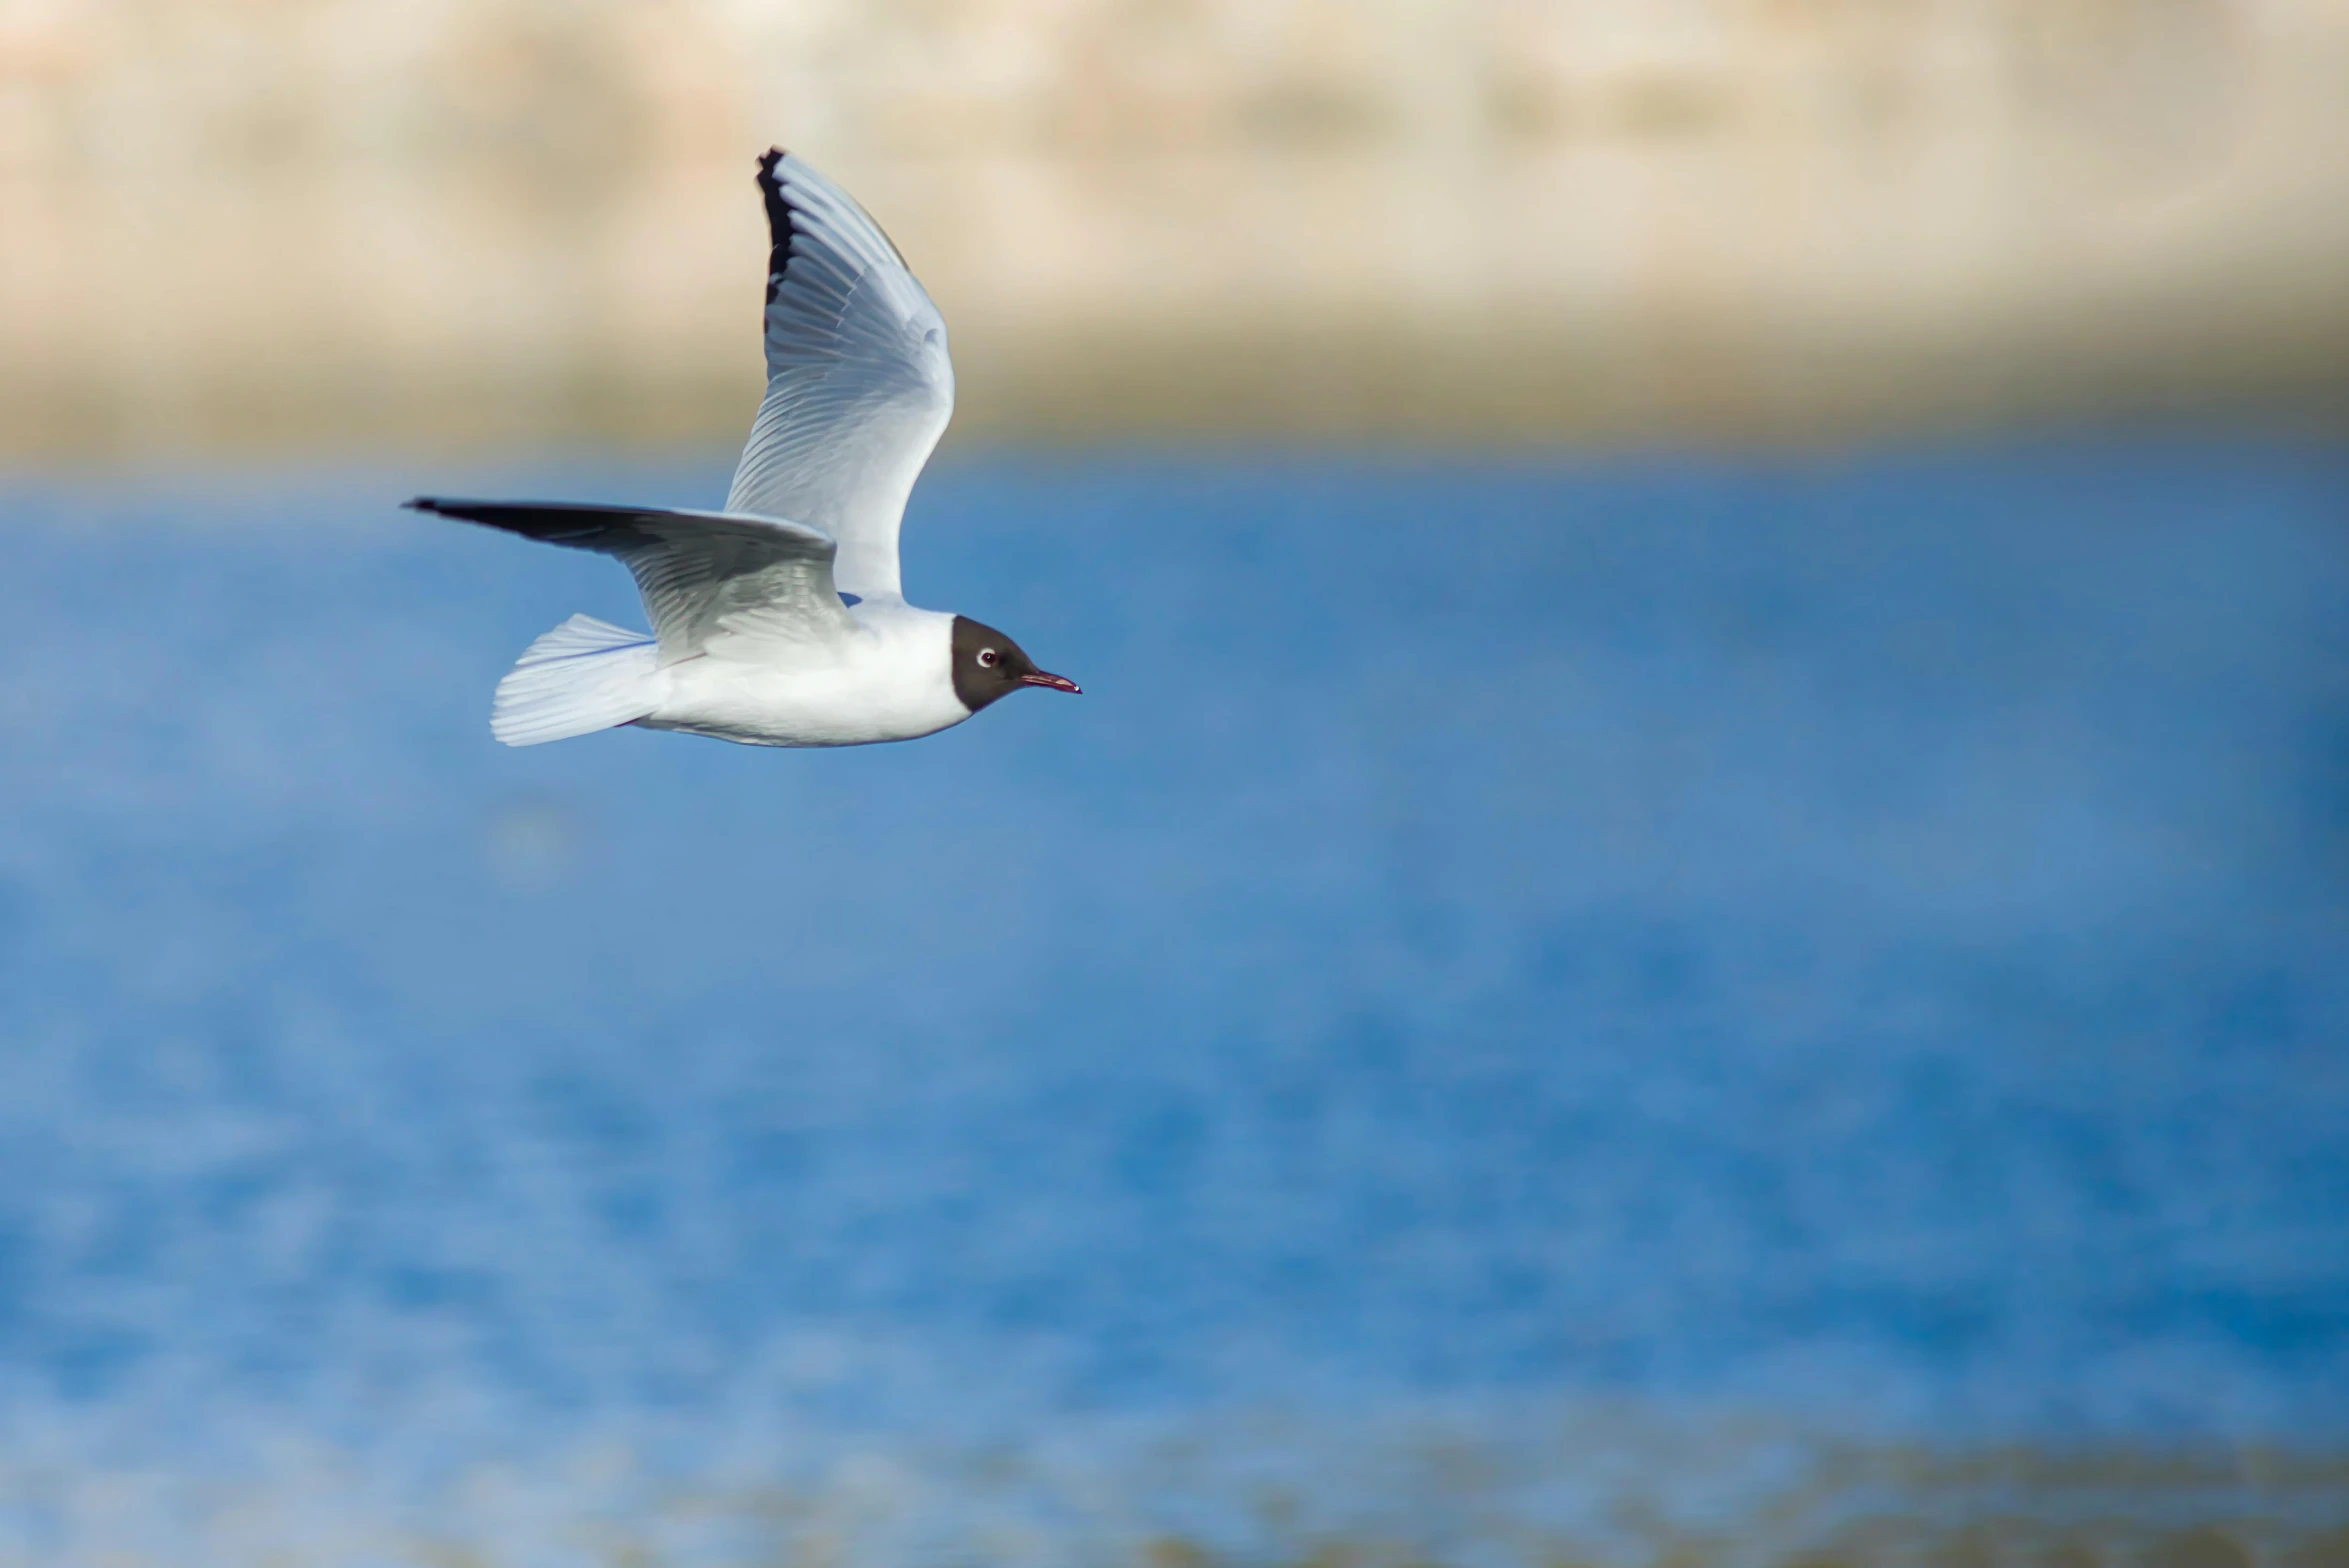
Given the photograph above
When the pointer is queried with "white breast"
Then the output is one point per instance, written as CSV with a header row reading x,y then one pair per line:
x,y
893,681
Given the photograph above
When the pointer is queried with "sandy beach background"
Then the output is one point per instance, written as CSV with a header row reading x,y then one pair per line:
x,y
273,225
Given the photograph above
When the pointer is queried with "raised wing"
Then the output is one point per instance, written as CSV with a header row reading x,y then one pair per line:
x,y
859,386
706,577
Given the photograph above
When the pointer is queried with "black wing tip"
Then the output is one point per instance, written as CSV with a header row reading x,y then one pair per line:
x,y
778,219
459,509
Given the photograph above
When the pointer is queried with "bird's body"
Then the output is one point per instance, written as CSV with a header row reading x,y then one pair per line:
x,y
882,684
781,621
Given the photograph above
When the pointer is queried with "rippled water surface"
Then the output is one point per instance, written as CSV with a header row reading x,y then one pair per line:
x,y
1531,1013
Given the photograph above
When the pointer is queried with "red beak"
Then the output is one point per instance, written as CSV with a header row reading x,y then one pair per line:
x,y
1056,682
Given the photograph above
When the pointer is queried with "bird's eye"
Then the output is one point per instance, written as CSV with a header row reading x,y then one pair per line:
x,y
989,658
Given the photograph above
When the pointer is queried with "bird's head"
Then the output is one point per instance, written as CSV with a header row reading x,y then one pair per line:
x,y
988,665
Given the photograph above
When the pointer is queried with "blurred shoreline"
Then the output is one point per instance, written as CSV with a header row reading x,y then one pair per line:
x,y
304,225
1618,1482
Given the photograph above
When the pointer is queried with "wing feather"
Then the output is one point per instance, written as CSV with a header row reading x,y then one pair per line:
x,y
706,577
859,382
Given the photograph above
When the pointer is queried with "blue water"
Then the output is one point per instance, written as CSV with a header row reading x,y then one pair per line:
x,y
1861,942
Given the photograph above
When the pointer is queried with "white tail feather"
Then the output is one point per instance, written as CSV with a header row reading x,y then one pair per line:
x,y
583,676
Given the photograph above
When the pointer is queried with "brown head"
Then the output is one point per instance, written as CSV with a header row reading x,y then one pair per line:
x,y
989,665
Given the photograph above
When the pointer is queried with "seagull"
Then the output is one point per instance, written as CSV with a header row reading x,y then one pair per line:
x,y
779,621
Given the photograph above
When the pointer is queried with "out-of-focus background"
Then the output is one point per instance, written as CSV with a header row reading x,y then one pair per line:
x,y
1698,912
273,224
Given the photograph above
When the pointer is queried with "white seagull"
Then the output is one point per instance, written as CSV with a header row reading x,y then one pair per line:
x,y
779,621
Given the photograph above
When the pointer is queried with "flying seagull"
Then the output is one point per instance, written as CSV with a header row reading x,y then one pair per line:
x,y
779,621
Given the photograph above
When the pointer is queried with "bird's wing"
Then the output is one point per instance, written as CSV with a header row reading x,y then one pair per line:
x,y
710,580
859,386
